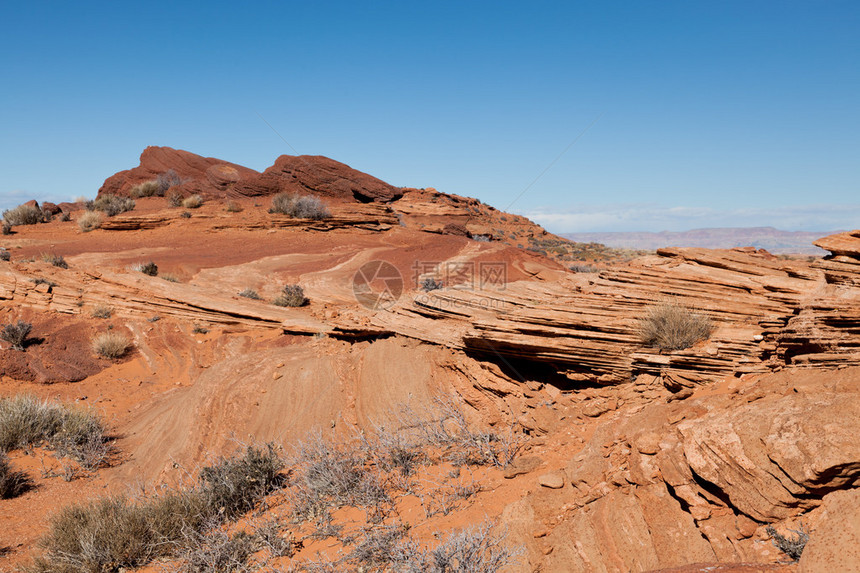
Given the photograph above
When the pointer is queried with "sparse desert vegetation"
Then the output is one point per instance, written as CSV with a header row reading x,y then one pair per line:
x,y
110,205
110,345
193,202
55,259
12,482
102,311
16,333
300,207
26,421
149,268
669,325
22,215
291,295
250,293
89,221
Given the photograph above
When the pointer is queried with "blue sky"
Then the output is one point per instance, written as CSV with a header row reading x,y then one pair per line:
x,y
701,113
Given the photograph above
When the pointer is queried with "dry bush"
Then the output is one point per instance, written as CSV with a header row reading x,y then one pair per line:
x,y
6,228
474,550
110,345
332,474
102,311
16,334
114,533
217,552
791,546
149,268
291,295
169,277
670,325
79,434
89,221
110,205
232,486
444,426
192,202
299,207
22,215
431,284
12,483
174,199
146,189
250,293
56,260
233,207
5,255
65,216
167,180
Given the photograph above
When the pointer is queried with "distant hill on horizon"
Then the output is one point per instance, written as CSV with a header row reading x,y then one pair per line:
x,y
774,240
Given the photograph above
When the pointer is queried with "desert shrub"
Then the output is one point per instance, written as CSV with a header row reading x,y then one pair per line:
x,y
300,207
16,334
174,199
22,215
234,485
149,268
43,281
333,475
583,268
482,238
115,533
171,278
379,547
444,426
65,216
167,180
7,228
791,546
291,295
185,215
89,221
110,345
12,483
430,284
102,311
56,260
475,550
110,205
146,189
5,255
26,421
672,326
217,552
192,202
233,207
250,293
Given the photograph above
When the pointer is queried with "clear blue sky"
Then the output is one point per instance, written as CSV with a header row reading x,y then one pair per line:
x,y
708,113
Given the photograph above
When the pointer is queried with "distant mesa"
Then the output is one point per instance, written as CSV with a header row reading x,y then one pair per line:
x,y
217,179
769,238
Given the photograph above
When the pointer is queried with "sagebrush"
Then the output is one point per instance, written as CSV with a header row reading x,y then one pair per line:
x,y
16,334
299,206
110,345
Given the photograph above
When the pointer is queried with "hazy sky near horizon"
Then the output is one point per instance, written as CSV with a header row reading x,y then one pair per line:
x,y
584,116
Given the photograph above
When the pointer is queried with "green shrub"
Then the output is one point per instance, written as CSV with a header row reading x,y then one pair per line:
x,y
291,295
299,207
23,215
16,334
89,221
672,326
111,205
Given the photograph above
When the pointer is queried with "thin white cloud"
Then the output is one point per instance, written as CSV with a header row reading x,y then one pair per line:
x,y
656,218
